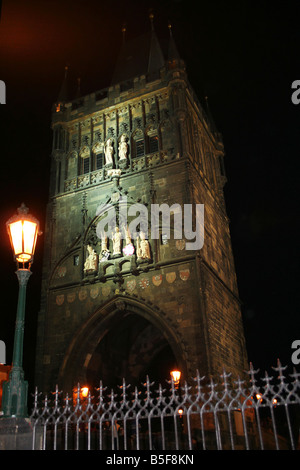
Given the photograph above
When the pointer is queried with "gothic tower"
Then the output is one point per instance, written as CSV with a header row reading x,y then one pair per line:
x,y
129,303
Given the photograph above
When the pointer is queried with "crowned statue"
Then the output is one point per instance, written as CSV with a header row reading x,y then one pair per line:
x,y
91,262
143,248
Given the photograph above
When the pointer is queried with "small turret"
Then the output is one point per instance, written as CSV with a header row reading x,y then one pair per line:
x,y
63,94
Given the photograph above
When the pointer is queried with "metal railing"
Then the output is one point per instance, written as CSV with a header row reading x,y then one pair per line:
x,y
253,413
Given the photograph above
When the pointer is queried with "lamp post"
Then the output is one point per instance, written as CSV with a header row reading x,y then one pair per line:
x,y
23,230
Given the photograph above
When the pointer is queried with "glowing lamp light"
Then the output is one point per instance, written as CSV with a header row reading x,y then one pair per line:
x,y
84,392
175,374
23,230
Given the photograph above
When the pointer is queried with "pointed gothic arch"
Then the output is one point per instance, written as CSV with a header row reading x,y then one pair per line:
x,y
109,318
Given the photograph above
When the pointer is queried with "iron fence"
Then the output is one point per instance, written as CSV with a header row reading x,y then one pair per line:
x,y
249,413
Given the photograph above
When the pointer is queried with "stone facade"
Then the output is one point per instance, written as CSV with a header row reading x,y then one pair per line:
x,y
115,316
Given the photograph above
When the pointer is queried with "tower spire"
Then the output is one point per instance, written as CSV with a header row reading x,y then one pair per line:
x,y
156,58
172,50
63,94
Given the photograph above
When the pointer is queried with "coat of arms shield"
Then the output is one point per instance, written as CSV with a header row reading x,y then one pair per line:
x,y
170,277
184,274
60,299
157,280
131,285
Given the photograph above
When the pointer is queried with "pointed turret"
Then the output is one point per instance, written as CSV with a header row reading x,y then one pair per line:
x,y
63,94
138,56
173,53
156,58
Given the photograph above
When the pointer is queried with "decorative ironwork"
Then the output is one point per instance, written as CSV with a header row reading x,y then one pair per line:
x,y
248,413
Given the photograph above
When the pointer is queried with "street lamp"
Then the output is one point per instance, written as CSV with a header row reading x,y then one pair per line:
x,y
175,374
23,230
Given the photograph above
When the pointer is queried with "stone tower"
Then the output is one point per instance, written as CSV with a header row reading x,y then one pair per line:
x,y
142,306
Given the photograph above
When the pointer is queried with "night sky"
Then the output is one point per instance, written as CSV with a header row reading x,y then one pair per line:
x,y
244,56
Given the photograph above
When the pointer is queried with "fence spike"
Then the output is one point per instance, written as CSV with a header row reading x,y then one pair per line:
x,y
205,403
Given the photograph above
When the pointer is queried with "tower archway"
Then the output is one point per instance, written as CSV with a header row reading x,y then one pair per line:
x,y
124,338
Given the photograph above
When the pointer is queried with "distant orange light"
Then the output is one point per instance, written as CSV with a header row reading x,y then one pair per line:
x,y
180,411
175,374
84,392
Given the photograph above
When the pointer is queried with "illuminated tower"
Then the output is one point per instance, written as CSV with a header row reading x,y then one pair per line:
x,y
108,313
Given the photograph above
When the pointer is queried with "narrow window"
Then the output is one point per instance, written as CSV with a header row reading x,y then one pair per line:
x,y
153,143
139,148
85,165
98,161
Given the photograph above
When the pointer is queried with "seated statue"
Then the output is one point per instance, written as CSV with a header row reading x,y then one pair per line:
x,y
91,263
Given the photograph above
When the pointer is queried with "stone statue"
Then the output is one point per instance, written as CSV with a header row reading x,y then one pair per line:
x,y
143,247
103,243
117,240
91,263
123,147
109,151
127,235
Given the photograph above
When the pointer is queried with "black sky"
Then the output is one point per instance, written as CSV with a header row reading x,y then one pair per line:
x,y
244,56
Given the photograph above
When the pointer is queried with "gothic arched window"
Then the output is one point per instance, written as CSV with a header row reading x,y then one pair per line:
x,y
98,156
138,144
152,138
85,165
